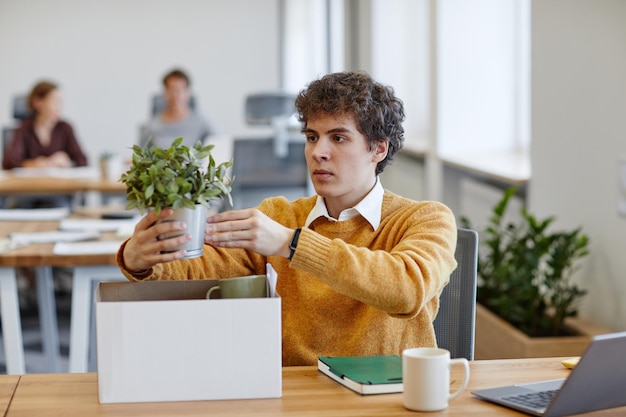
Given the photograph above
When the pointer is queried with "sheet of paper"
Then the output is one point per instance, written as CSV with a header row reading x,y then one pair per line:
x,y
86,248
102,225
83,173
53,237
272,277
43,214
7,245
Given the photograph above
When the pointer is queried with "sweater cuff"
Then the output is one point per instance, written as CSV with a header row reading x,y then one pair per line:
x,y
135,276
312,254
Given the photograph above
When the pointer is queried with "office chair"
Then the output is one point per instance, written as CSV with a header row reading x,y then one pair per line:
x,y
159,103
20,112
273,165
273,109
7,134
454,324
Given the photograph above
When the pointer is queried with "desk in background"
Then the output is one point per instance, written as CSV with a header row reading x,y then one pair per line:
x,y
87,268
13,185
76,182
305,392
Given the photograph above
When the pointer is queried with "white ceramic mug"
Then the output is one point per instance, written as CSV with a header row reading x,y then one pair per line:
x,y
426,378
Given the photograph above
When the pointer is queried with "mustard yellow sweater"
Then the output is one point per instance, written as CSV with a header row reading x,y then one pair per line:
x,y
348,290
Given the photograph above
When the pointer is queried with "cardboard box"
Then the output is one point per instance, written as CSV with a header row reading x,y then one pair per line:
x,y
163,341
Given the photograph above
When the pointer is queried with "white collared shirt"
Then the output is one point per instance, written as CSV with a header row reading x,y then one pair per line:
x,y
370,208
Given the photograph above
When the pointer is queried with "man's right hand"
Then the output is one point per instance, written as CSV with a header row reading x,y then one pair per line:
x,y
144,249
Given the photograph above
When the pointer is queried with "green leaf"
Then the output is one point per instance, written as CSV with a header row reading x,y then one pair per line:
x,y
149,191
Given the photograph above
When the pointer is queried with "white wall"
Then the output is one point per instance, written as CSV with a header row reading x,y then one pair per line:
x,y
578,132
109,58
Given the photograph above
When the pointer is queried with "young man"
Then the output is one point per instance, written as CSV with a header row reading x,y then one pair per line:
x,y
360,269
178,118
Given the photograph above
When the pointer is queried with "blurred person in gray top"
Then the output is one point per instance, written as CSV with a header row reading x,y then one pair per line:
x,y
178,118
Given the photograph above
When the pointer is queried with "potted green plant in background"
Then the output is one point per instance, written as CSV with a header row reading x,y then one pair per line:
x,y
525,291
186,179
111,166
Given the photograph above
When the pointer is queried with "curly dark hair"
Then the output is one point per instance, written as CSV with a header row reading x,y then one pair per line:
x,y
377,112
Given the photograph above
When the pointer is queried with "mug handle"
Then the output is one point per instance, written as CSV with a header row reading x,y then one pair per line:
x,y
210,291
465,363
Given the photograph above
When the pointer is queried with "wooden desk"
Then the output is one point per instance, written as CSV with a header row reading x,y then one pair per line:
x,y
12,185
306,392
57,181
87,268
75,182
8,384
40,254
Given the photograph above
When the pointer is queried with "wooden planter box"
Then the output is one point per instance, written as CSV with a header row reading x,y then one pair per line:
x,y
497,339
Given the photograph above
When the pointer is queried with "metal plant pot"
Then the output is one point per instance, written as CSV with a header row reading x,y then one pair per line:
x,y
195,219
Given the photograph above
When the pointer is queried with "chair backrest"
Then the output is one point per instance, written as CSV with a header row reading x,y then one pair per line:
x,y
159,103
273,109
264,108
20,112
20,107
454,324
7,135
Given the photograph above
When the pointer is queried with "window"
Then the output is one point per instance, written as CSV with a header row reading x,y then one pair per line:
x,y
478,90
483,75
306,42
400,57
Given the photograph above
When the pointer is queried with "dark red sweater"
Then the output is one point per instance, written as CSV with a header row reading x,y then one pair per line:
x,y
25,145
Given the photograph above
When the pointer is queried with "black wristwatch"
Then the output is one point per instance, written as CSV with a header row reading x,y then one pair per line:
x,y
294,242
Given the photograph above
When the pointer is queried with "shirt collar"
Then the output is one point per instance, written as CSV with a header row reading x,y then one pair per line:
x,y
370,208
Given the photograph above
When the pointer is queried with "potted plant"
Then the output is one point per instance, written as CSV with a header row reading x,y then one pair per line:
x,y
179,177
524,279
111,166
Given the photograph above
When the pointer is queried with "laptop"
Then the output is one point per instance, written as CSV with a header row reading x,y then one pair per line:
x,y
596,383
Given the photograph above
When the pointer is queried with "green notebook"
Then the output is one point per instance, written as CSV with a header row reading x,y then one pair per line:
x,y
364,374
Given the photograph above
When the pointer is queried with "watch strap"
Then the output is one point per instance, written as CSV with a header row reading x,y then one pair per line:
x,y
294,242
